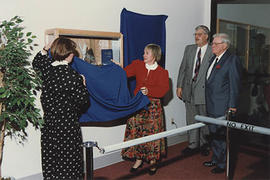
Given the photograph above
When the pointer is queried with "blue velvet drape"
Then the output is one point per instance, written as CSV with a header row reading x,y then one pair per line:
x,y
138,31
109,95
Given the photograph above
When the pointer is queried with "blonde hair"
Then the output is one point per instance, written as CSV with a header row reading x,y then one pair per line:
x,y
156,51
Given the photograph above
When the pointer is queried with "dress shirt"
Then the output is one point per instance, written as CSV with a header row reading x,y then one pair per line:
x,y
213,63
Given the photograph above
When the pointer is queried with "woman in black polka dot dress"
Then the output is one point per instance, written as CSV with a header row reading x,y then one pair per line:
x,y
64,97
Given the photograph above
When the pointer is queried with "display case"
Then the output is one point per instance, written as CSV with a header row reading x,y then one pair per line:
x,y
95,47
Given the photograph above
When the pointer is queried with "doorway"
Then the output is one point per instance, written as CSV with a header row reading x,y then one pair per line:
x,y
248,25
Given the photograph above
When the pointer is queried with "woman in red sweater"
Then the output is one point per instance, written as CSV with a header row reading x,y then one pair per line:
x,y
153,81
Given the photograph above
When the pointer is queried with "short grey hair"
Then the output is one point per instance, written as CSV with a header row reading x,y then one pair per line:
x,y
204,28
224,38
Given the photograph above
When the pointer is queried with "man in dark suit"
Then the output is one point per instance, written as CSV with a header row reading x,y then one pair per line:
x,y
221,93
190,87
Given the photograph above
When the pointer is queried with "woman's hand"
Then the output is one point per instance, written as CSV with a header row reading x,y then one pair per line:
x,y
115,62
144,90
47,46
84,81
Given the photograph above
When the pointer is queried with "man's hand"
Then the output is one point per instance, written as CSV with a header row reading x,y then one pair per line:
x,y
232,109
179,93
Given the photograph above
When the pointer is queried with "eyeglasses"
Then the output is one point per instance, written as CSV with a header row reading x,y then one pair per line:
x,y
216,43
198,34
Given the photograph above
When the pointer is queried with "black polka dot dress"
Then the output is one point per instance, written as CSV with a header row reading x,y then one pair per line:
x,y
63,99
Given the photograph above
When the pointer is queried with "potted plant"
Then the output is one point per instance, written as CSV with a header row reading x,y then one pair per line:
x,y
18,83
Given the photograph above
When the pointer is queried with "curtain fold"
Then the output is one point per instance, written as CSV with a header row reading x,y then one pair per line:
x,y
109,95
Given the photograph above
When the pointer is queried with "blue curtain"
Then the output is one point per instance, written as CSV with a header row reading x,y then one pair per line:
x,y
138,31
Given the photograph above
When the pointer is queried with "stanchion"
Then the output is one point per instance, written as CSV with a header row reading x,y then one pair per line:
x,y
229,117
90,144
89,159
232,125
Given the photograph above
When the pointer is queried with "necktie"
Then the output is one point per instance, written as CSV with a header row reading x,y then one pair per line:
x,y
216,61
197,65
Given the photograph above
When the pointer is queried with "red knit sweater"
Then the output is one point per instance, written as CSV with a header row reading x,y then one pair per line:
x,y
156,81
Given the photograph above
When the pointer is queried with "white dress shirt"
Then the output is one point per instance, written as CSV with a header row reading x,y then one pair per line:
x,y
213,63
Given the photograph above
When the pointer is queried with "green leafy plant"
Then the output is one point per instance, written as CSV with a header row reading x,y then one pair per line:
x,y
18,82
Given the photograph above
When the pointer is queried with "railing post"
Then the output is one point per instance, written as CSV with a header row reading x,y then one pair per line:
x,y
229,117
89,159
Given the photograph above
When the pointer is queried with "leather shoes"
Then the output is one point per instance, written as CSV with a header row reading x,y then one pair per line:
x,y
209,164
205,152
151,172
132,170
218,170
190,151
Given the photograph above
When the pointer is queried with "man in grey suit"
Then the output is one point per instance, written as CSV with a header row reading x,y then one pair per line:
x,y
190,88
221,93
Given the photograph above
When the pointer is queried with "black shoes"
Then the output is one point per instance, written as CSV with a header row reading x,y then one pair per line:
x,y
153,169
133,170
151,172
188,151
209,164
218,170
205,150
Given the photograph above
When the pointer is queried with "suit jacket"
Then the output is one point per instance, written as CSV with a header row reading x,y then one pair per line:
x,y
185,75
223,85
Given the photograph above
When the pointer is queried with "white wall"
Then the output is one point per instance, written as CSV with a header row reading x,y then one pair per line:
x,y
101,15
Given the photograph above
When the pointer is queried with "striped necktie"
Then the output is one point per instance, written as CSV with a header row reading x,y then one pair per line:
x,y
197,65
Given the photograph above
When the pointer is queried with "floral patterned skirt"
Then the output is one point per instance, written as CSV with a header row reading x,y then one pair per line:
x,y
143,124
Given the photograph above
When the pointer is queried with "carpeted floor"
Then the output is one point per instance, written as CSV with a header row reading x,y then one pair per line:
x,y
250,163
